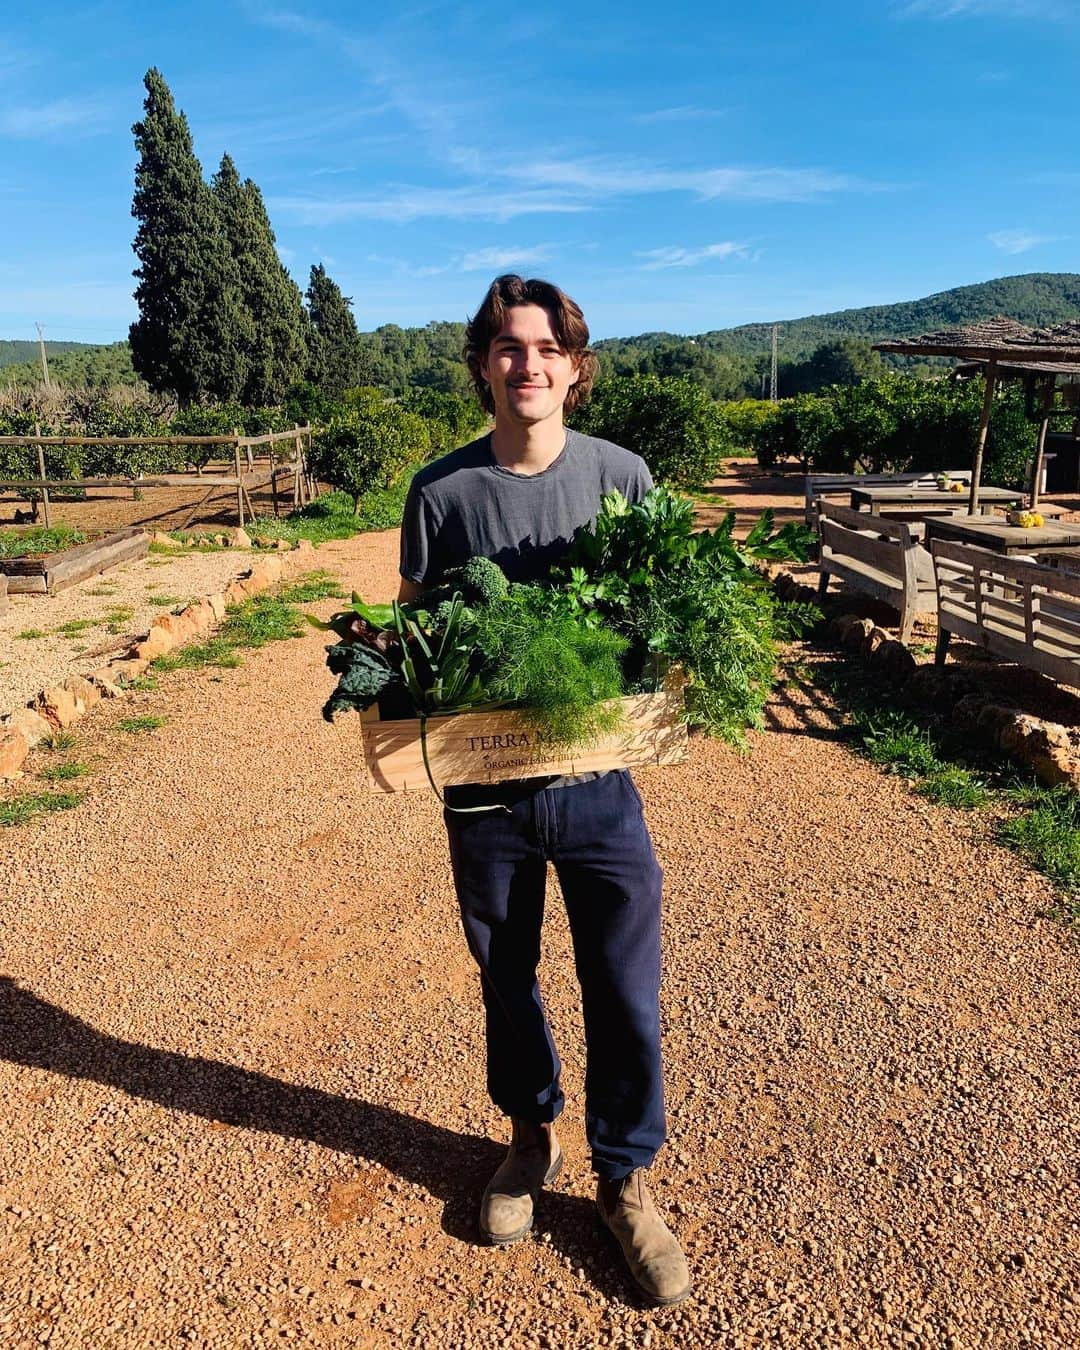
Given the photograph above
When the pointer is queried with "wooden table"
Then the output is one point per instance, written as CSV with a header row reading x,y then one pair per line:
x,y
875,498
1001,537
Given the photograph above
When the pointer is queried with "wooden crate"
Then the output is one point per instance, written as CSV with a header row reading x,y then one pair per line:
x,y
491,747
52,572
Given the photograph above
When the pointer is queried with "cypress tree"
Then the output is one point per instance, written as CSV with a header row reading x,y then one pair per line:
x,y
189,336
334,343
276,352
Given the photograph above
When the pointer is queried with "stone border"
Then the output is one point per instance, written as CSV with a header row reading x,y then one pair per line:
x,y
1043,747
61,705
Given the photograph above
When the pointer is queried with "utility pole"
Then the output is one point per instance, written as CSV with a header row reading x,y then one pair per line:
x,y
44,358
772,368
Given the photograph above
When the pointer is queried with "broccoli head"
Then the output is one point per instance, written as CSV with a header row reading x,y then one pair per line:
x,y
483,582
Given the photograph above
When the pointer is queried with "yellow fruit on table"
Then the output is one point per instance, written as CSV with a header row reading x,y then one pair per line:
x,y
957,487
1026,520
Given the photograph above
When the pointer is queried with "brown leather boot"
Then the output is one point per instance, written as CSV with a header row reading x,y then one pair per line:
x,y
533,1159
652,1251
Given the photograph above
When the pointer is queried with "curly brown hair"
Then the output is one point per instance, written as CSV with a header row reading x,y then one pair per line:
x,y
567,323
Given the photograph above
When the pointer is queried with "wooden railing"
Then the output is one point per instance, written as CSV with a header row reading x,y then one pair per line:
x,y
243,481
1020,611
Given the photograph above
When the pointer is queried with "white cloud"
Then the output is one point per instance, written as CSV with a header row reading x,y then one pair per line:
x,y
1019,241
72,116
673,256
495,259
402,204
603,177
1059,11
684,113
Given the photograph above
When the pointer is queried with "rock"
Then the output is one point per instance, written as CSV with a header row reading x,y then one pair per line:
x,y
263,575
236,592
304,546
239,538
103,680
857,634
217,605
13,750
165,540
282,546
126,669
59,706
839,626
75,684
178,627
893,662
33,726
156,643
199,615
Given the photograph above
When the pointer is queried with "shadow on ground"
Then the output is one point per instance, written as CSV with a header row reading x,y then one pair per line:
x,y
451,1166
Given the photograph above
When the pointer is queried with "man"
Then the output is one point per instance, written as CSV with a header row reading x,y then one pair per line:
x,y
517,496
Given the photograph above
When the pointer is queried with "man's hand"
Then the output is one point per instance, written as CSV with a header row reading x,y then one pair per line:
x,y
408,591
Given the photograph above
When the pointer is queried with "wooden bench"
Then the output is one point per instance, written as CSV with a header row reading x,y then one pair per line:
x,y
1020,611
818,486
881,558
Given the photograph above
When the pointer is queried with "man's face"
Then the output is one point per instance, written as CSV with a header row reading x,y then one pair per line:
x,y
529,373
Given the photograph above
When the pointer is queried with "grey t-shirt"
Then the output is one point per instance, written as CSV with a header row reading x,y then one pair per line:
x,y
467,505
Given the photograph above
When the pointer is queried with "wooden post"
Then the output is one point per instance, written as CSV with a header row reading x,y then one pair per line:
x,y
984,427
1040,447
239,480
298,460
41,470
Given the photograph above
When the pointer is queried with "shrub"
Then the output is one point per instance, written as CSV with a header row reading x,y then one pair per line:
x,y
747,420
360,451
672,424
452,419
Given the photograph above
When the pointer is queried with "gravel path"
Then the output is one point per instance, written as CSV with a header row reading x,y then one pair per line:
x,y
241,1086
116,606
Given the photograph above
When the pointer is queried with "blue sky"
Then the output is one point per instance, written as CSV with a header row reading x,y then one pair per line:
x,y
683,166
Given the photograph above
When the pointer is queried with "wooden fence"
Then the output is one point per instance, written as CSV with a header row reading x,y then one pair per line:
x,y
246,476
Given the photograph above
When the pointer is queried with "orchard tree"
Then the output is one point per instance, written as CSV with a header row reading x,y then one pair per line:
x,y
275,324
333,339
191,332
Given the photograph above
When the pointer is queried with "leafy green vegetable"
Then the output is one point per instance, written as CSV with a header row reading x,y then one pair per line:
x,y
483,582
538,654
363,674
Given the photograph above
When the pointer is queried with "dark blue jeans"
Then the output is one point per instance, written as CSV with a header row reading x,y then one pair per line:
x,y
595,835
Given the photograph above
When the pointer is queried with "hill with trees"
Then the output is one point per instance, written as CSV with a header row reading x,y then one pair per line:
x,y
814,352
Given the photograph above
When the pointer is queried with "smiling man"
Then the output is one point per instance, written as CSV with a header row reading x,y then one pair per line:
x,y
517,496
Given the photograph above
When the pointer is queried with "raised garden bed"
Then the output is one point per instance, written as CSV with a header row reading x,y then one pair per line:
x,y
47,573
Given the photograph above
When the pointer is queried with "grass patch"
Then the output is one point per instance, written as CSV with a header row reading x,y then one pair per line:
x,y
1043,824
165,600
60,740
19,810
216,652
332,516
74,627
106,588
117,618
138,725
29,634
1048,836
319,585
159,546
26,543
61,773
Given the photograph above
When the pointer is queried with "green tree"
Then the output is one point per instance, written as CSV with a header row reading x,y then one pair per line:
x,y
673,425
370,446
333,340
276,351
190,334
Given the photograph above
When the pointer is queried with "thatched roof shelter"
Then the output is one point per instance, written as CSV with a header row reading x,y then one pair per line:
x,y
996,342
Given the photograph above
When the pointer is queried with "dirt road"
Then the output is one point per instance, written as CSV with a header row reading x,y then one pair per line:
x,y
241,1081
